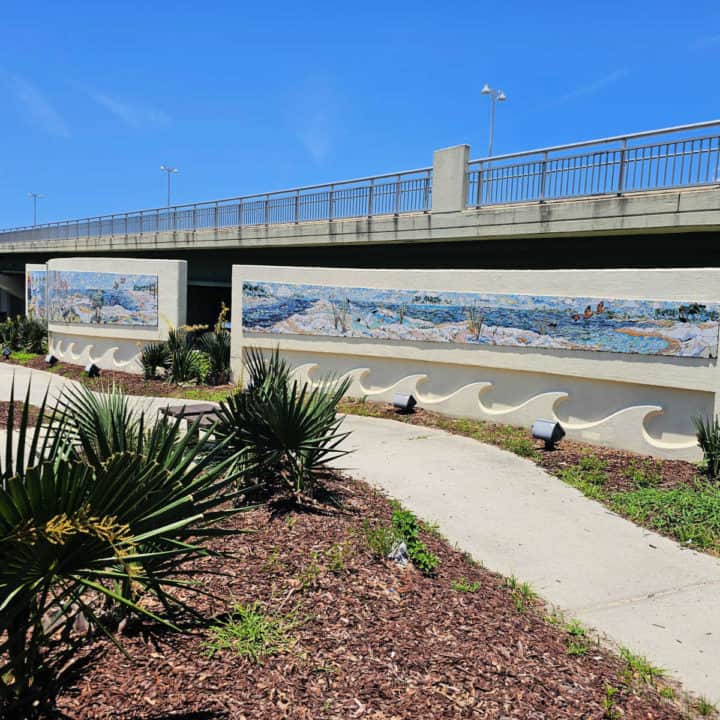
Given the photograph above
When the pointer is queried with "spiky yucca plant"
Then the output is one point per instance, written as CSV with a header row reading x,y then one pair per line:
x,y
289,432
88,524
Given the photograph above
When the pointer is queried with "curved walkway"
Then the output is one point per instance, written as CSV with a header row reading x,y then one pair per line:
x,y
636,587
632,585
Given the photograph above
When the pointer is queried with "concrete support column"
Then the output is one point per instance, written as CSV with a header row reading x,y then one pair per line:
x,y
13,284
449,192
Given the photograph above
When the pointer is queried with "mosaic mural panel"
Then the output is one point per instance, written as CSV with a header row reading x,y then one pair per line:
x,y
646,327
100,298
36,289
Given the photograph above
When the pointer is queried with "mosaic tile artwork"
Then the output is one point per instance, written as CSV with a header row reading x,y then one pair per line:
x,y
100,298
36,289
646,327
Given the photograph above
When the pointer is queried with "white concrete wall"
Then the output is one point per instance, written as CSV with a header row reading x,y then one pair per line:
x,y
117,347
637,402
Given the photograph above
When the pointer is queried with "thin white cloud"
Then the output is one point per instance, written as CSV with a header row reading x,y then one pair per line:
x,y
32,103
706,42
133,114
315,134
590,88
314,112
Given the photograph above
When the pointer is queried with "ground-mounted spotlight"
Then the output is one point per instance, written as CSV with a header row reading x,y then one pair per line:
x,y
6,352
549,431
404,403
92,370
50,359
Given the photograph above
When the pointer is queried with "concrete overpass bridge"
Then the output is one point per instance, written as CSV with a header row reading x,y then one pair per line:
x,y
649,199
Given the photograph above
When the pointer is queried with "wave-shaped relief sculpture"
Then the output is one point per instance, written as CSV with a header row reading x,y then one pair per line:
x,y
624,428
65,350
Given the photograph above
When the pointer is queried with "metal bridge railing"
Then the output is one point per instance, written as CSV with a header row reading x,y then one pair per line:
x,y
390,194
617,165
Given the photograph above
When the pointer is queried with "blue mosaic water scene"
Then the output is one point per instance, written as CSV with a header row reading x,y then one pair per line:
x,y
101,298
36,289
646,327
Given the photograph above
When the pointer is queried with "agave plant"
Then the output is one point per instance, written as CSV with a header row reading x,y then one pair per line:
x,y
289,432
88,525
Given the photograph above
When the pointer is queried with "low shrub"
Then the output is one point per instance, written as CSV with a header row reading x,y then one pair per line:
x,y
24,333
408,528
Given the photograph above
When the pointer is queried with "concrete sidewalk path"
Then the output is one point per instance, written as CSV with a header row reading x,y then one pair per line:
x,y
638,588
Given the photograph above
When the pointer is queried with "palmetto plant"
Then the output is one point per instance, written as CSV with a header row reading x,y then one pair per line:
x,y
154,356
708,437
216,345
91,524
289,432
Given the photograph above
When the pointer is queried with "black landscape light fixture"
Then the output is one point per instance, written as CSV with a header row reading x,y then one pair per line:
x,y
7,352
404,403
549,431
92,370
50,359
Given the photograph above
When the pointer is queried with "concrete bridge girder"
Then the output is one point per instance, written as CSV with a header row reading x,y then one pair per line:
x,y
641,213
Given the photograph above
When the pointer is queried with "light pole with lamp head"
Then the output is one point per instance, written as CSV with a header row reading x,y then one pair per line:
x,y
495,96
170,171
35,197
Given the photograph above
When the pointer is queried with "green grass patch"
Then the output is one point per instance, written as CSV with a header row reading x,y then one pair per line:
x,y
206,394
251,632
688,514
638,667
644,473
23,358
464,585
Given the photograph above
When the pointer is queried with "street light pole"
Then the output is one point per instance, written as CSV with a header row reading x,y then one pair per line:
x,y
35,197
495,96
170,171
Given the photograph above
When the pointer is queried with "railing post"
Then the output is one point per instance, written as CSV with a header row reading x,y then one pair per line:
x,y
331,203
267,209
194,218
371,197
479,198
621,173
426,190
215,216
397,195
142,223
297,206
543,175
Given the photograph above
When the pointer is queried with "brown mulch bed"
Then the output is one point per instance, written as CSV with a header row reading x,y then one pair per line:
x,y
376,641
128,383
17,411
567,453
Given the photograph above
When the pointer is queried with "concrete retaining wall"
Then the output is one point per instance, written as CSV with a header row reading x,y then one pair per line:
x,y
637,402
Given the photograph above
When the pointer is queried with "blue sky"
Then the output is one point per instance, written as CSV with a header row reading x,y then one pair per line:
x,y
251,97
